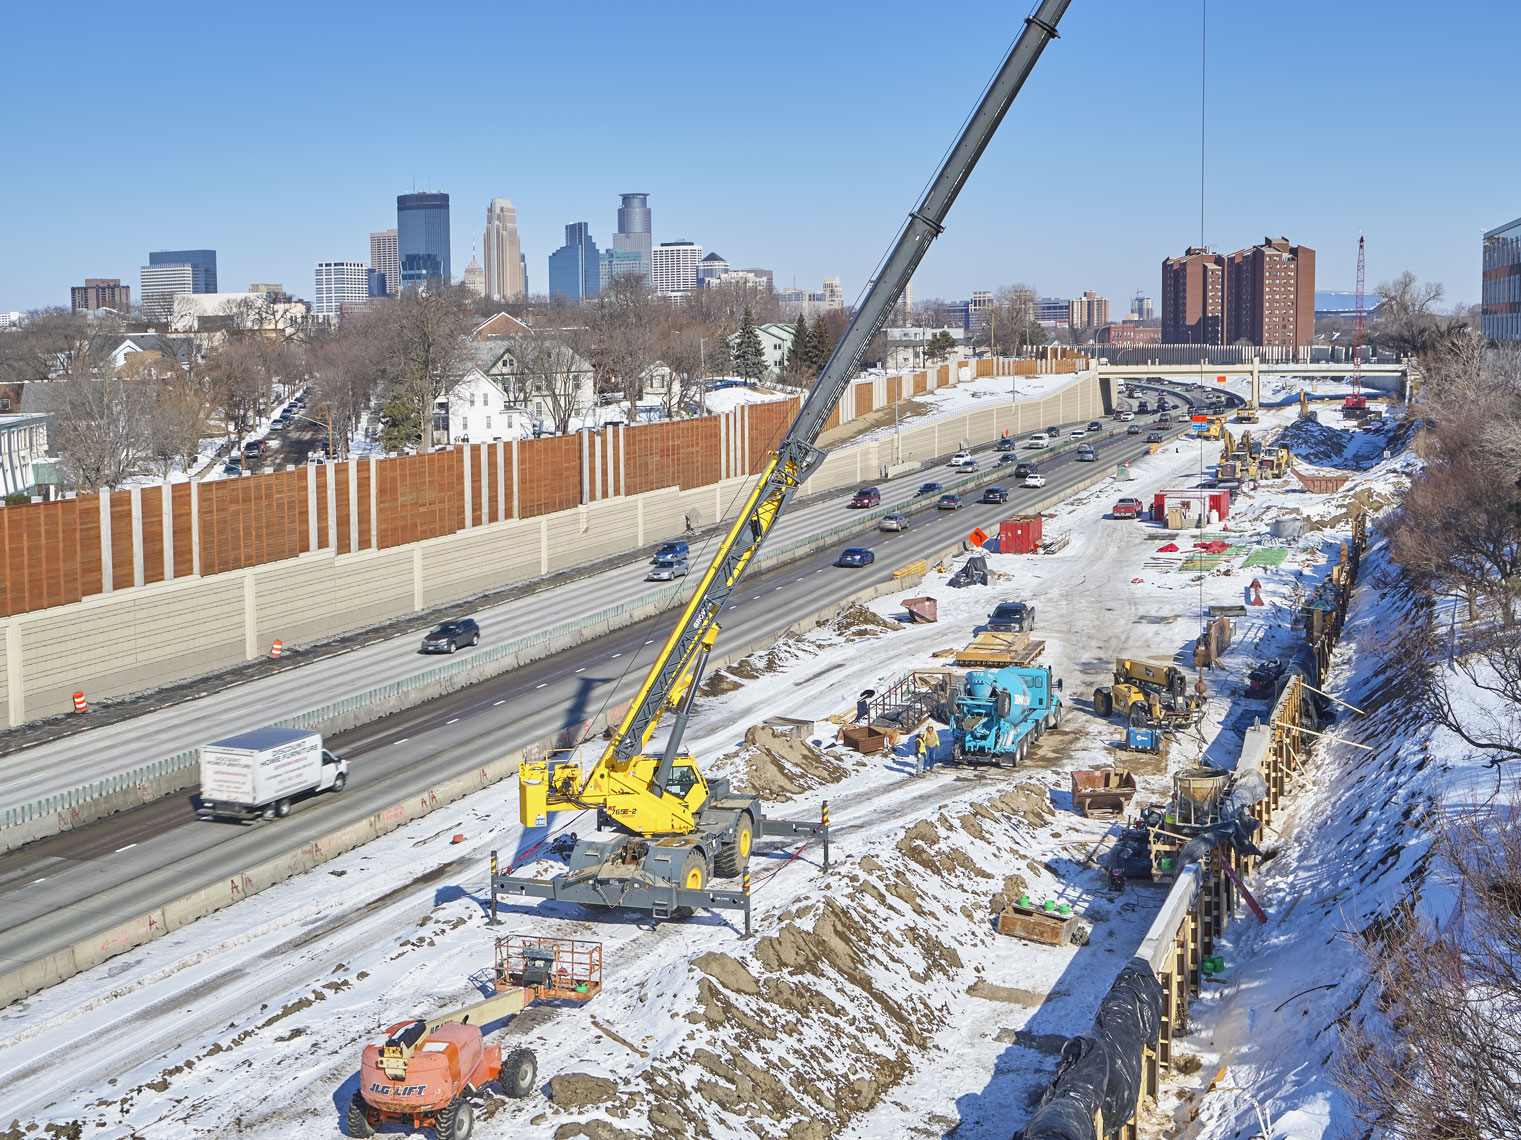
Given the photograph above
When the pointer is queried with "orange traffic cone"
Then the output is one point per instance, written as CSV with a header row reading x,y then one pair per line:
x,y
79,703
278,649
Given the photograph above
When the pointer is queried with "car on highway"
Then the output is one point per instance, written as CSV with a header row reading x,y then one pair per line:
x,y
1143,407
448,636
995,495
926,489
1012,617
1005,460
1094,425
1133,429
1036,480
1164,420
1022,470
856,556
1004,444
968,468
1153,437
1054,431
1077,433
1039,439
667,571
1087,455
949,503
893,522
1128,508
866,497
669,551
962,457
1126,417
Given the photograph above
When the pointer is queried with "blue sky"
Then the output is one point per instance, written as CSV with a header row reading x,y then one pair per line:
x,y
796,139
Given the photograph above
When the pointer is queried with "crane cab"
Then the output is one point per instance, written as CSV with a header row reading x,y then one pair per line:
x,y
624,794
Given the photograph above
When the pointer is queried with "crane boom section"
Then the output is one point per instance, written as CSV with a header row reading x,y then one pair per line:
x,y
796,456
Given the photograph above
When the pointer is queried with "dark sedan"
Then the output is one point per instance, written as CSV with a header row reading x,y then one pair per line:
x,y
451,635
928,489
995,495
856,556
949,503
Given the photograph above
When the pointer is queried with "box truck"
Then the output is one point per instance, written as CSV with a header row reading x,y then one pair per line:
x,y
257,774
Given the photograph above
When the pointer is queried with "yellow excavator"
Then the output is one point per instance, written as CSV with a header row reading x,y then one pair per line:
x,y
675,828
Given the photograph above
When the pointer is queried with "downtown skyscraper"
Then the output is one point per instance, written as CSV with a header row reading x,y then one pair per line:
x,y
422,238
385,261
504,253
634,230
575,271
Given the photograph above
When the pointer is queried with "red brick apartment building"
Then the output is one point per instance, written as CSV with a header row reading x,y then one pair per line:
x,y
1263,295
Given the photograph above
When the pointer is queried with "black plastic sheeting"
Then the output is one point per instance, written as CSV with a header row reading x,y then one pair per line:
x,y
973,572
1100,1071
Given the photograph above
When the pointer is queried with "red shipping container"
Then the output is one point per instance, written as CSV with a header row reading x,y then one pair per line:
x,y
1019,535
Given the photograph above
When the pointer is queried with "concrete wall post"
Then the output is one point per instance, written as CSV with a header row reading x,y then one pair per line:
x,y
15,675
250,616
107,570
135,497
374,505
166,503
469,487
311,507
195,527
417,578
330,477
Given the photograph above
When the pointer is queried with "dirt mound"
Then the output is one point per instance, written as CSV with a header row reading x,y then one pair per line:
x,y
787,649
858,622
575,1091
778,766
1341,448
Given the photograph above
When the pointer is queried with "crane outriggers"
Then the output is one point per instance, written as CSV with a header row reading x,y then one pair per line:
x,y
677,829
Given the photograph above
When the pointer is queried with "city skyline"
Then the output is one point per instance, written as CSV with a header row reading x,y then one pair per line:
x,y
826,208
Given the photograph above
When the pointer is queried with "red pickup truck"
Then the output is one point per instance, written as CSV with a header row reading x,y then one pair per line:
x,y
1128,509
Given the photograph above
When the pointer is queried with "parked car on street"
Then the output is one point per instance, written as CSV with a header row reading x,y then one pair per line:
x,y
1036,480
949,503
451,635
667,571
1133,429
1012,617
893,522
856,556
995,495
866,497
1024,470
926,489
232,467
1128,508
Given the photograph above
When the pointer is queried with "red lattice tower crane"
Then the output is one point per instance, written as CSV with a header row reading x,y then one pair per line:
x,y
1357,403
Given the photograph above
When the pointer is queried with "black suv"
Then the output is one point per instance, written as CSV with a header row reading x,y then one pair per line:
x,y
995,495
1025,470
449,636
1012,617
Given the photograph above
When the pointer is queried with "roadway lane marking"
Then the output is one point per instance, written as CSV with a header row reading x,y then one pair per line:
x,y
503,701
783,587
541,684
616,655
451,720
403,740
42,880
582,669
128,847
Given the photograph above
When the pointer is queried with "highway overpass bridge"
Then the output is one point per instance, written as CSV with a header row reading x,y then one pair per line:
x,y
1392,378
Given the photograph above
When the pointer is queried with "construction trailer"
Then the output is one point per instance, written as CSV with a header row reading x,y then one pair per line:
x,y
1200,503
675,829
997,716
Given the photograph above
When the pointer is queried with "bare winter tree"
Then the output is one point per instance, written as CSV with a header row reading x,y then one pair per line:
x,y
422,337
178,409
100,429
1407,322
58,344
1436,1056
625,317
550,370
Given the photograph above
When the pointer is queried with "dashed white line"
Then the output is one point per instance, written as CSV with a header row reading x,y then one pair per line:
x,y
541,684
582,669
404,739
42,880
128,847
503,701
451,720
616,655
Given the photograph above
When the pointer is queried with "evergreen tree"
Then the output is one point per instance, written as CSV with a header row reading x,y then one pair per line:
x,y
797,354
820,346
940,345
749,356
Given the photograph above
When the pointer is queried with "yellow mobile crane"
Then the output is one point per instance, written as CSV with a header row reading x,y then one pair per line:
x,y
678,828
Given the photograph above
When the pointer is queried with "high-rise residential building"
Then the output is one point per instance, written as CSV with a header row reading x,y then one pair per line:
x,y
1500,286
503,253
1088,311
634,230
1270,294
384,259
422,238
673,267
1193,298
475,278
523,261
101,293
575,271
1141,308
158,284
711,268
202,262
766,273
834,293
337,282
615,263
1052,311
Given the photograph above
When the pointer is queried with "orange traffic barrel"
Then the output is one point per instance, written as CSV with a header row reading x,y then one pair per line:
x,y
278,649
79,703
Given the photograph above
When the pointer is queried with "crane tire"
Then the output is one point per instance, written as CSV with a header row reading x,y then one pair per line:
x,y
457,1121
1103,702
520,1072
355,1122
735,857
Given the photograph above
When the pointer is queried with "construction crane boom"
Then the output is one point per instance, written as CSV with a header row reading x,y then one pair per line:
x,y
1357,326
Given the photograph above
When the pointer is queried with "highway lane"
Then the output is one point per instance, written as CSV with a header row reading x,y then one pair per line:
x,y
60,765
60,889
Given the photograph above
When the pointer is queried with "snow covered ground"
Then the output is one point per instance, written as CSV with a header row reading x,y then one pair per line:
x,y
875,1001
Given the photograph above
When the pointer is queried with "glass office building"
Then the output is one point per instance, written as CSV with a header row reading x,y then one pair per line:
x,y
202,263
422,238
1500,289
633,234
575,271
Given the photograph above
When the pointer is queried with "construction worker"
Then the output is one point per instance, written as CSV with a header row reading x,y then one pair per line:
x,y
920,746
931,744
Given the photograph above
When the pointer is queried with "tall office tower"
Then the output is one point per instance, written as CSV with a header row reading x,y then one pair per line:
x,y
1141,308
158,284
634,230
202,263
101,293
475,278
711,268
422,238
337,282
1193,298
504,253
574,269
383,259
834,293
1270,294
523,261
673,267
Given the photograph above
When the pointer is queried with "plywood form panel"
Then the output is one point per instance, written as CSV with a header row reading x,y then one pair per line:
x,y
363,478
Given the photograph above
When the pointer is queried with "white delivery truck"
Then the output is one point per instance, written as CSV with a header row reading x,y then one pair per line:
x,y
257,774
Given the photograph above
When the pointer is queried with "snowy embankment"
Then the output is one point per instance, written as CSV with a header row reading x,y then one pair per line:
x,y
875,1000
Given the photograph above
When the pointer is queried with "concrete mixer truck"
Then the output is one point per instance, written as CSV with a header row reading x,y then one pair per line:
x,y
997,715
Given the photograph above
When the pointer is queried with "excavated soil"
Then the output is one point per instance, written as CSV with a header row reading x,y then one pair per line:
x,y
778,767
858,622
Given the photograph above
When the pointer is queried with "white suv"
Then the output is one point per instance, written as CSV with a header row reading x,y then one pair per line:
x,y
1039,439
962,458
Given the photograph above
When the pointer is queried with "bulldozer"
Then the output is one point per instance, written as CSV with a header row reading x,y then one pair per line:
x,y
1150,694
426,1070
